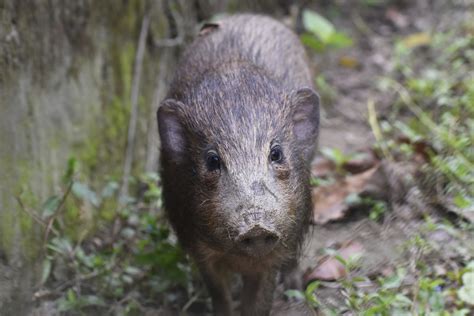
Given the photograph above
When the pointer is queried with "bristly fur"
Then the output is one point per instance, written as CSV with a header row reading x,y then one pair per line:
x,y
240,88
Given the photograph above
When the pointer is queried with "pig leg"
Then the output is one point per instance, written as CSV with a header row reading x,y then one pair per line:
x,y
257,293
216,280
291,275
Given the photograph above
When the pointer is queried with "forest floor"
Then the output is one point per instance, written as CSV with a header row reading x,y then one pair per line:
x,y
380,207
393,223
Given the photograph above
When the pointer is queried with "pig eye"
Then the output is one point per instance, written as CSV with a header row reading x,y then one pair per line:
x,y
276,154
213,161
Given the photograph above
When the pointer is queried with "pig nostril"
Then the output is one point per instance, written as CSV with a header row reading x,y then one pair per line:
x,y
271,239
247,241
260,243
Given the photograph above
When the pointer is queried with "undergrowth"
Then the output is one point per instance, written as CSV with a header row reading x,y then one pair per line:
x,y
125,263
435,111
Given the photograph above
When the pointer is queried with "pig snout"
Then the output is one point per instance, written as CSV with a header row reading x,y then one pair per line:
x,y
257,241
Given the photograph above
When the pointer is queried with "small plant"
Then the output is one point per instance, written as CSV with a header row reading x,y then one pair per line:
x,y
308,295
321,33
466,291
339,158
377,208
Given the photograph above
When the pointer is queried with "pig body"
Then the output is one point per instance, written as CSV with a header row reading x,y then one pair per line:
x,y
238,130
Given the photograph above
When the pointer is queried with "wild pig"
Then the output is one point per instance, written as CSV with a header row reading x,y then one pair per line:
x,y
238,130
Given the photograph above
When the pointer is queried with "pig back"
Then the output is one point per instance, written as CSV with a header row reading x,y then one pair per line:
x,y
247,39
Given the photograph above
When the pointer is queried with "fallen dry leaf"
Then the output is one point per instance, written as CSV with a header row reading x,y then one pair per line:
x,y
422,150
417,39
348,62
361,162
330,201
329,268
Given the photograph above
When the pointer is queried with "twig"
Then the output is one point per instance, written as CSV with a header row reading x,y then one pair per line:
x,y
127,298
173,19
48,225
69,283
31,214
134,106
191,301
374,125
169,42
58,210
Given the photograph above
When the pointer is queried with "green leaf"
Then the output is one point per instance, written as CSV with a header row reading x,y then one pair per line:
x,y
61,245
71,296
127,279
109,189
82,257
339,40
395,281
335,155
312,287
50,206
461,201
318,25
132,270
46,271
461,312
374,310
470,266
72,166
128,233
353,199
402,301
83,192
413,135
359,279
466,292
295,294
91,300
341,260
312,42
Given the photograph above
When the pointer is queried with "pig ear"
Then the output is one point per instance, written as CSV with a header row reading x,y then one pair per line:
x,y
171,129
208,27
305,117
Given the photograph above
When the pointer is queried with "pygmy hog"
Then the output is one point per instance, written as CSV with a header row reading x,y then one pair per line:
x,y
238,130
